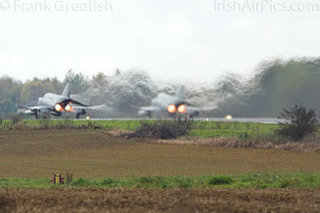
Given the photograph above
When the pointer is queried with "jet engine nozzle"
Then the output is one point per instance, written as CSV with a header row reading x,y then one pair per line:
x,y
58,108
172,108
68,108
182,109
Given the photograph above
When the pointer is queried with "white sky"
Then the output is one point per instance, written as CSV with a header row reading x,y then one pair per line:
x,y
167,38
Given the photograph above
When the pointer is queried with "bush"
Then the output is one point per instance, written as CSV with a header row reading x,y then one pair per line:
x,y
163,129
220,180
45,121
157,181
298,123
69,178
81,182
287,183
108,182
65,123
15,119
146,180
184,182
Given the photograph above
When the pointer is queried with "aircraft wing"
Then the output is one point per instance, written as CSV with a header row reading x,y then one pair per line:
x,y
148,110
34,107
97,107
82,110
33,110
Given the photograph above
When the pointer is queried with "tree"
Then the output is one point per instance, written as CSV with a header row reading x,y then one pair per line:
x,y
9,94
31,90
78,82
298,123
99,80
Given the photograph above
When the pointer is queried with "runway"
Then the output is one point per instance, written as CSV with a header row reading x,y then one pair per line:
x,y
248,120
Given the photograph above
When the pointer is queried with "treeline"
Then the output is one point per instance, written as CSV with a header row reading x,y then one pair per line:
x,y
274,84
14,92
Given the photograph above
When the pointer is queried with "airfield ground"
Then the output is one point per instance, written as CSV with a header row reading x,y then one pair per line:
x,y
96,154
31,155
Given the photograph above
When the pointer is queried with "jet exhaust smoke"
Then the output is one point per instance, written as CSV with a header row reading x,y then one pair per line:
x,y
274,84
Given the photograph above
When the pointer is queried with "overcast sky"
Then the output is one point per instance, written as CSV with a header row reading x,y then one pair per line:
x,y
201,39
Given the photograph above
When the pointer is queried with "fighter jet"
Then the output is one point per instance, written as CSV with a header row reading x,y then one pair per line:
x,y
55,104
170,105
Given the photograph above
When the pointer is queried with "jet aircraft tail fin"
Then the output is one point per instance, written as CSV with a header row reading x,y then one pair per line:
x,y
180,93
66,91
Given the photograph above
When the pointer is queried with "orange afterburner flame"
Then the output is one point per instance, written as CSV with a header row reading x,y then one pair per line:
x,y
172,108
68,108
58,108
182,109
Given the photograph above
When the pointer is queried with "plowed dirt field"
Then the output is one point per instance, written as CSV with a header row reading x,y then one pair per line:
x,y
159,200
96,154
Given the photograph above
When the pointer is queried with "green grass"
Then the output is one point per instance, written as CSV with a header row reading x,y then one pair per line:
x,y
232,129
34,124
202,129
301,180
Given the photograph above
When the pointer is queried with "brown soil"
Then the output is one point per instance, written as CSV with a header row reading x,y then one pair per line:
x,y
159,200
119,132
96,154
306,146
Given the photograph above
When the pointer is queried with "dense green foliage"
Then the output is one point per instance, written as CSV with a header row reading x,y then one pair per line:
x,y
301,180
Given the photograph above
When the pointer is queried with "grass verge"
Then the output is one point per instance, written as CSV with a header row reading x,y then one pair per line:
x,y
260,181
203,129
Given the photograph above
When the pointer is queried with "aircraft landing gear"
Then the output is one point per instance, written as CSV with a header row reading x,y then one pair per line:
x,y
82,112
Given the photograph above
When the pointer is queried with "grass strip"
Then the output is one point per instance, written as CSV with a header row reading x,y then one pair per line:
x,y
203,129
260,181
